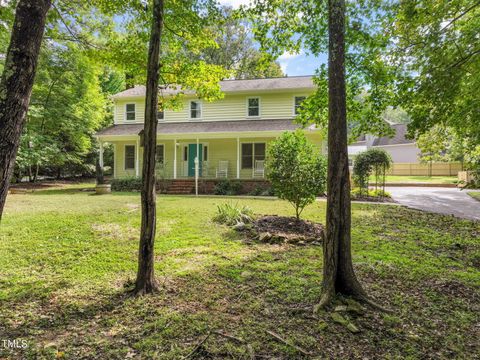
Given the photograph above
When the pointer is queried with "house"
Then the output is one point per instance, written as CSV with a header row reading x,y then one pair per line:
x,y
230,136
401,149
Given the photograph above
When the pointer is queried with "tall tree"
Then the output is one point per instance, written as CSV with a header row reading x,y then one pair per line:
x,y
338,273
17,81
145,276
435,45
236,50
357,82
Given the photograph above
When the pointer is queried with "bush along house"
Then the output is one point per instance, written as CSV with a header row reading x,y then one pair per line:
x,y
229,136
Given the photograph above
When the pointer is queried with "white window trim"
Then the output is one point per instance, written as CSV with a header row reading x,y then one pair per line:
x,y
259,107
295,96
125,157
135,112
190,110
253,152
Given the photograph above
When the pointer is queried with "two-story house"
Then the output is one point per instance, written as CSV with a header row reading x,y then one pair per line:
x,y
229,136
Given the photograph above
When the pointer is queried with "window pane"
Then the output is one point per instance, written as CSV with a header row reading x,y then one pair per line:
x,y
260,151
298,102
195,110
185,153
160,115
130,112
160,154
247,156
130,107
130,157
205,153
253,107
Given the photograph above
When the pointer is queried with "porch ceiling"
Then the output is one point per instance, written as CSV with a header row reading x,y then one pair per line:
x,y
228,128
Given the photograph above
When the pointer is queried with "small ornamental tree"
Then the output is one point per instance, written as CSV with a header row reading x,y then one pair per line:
x,y
296,169
371,162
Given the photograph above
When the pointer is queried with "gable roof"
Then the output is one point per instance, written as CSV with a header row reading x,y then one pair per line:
x,y
231,86
398,139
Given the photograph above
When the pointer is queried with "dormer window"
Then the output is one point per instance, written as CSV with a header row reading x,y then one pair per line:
x,y
253,107
298,103
130,112
195,109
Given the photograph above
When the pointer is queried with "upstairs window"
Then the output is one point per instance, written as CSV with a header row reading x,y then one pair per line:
x,y
195,110
129,157
130,112
298,103
160,115
253,107
252,152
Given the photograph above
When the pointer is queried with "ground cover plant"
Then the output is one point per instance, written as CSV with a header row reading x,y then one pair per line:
x,y
69,258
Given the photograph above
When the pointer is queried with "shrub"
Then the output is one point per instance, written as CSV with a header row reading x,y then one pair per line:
x,y
227,187
296,169
231,214
379,193
262,190
372,161
127,184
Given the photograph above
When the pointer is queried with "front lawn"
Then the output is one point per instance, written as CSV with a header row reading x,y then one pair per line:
x,y
68,259
419,179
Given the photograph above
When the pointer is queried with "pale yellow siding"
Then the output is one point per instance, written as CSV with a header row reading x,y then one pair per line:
x,y
273,105
218,150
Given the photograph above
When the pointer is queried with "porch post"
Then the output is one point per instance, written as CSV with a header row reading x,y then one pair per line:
x,y
238,158
197,167
100,157
137,159
175,158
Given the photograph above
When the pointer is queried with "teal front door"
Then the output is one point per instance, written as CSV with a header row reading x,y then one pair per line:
x,y
192,154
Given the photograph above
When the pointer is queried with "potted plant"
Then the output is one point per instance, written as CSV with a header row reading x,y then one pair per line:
x,y
101,187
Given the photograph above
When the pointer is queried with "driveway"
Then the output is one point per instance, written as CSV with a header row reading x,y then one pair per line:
x,y
448,201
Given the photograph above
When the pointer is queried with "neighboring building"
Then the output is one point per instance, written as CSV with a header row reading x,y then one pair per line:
x,y
230,135
401,149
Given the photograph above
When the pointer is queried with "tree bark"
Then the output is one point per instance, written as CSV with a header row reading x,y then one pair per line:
x,y
145,276
17,81
338,273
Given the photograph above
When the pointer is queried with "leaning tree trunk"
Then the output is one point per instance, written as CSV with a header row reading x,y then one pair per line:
x,y
17,81
145,276
338,273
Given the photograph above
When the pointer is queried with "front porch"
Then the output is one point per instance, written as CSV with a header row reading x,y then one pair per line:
x,y
237,158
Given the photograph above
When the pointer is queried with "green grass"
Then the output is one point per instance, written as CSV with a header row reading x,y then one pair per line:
x,y
420,179
474,194
68,259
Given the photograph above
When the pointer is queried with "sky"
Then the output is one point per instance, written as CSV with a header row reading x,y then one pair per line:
x,y
291,64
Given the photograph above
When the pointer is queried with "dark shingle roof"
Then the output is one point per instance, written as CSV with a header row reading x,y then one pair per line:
x,y
283,83
204,127
398,139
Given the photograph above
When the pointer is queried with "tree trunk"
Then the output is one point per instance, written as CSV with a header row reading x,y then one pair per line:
x,y
145,276
17,81
338,273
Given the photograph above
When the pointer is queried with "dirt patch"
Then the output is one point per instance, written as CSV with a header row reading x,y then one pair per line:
x,y
280,229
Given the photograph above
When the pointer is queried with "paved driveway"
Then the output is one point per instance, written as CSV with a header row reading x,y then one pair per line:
x,y
440,200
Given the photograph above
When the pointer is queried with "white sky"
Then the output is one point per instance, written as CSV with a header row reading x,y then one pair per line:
x,y
235,3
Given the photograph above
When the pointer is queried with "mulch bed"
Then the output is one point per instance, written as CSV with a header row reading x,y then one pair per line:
x,y
281,229
373,199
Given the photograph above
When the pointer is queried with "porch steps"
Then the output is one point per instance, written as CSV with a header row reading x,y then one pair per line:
x,y
181,187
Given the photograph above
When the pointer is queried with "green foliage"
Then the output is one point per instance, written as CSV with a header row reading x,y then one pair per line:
x,y
228,187
236,50
440,143
372,161
436,50
262,190
127,184
296,169
297,25
372,193
231,214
